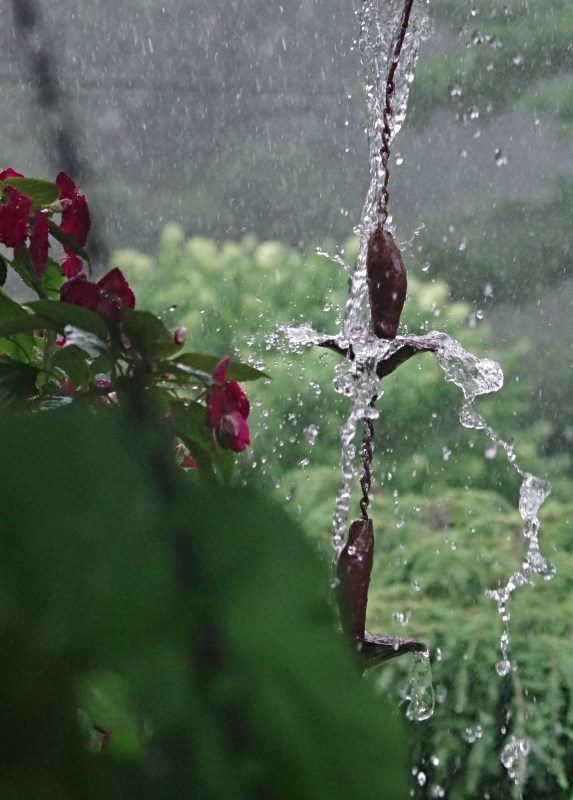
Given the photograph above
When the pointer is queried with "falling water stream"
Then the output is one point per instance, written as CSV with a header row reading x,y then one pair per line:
x,y
380,25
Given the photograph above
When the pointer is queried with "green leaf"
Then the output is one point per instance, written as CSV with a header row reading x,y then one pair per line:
x,y
21,343
68,241
31,322
22,263
72,361
59,314
3,270
190,423
236,371
52,279
148,335
17,381
101,365
42,193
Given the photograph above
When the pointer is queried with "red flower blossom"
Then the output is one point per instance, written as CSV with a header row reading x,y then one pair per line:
x,y
72,265
107,296
14,213
9,173
39,242
75,213
228,408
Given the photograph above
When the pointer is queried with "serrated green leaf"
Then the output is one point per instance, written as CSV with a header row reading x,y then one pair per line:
x,y
148,335
52,279
42,193
72,361
60,314
68,241
236,371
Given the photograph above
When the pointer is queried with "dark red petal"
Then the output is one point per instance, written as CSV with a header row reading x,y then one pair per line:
x,y
220,371
114,282
9,173
241,438
14,217
72,265
237,399
188,462
81,292
109,305
76,220
215,406
39,242
66,186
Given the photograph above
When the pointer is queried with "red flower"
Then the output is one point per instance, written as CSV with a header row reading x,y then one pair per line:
x,y
39,242
72,264
107,296
9,173
14,213
228,408
75,213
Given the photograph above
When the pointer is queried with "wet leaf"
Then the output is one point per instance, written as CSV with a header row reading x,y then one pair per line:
x,y
72,361
59,314
17,381
190,422
3,270
42,193
21,343
52,279
206,363
148,335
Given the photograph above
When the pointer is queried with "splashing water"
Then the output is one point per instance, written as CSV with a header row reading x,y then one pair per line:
x,y
420,691
356,378
514,756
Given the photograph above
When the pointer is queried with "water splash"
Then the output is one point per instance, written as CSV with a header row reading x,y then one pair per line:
x,y
420,691
381,24
514,757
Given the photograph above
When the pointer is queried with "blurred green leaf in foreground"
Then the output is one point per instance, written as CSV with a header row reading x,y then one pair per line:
x,y
191,622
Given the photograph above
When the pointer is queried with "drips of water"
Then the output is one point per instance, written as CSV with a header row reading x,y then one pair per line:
x,y
356,378
515,750
420,691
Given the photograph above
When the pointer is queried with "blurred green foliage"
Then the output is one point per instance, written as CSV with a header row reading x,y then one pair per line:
x,y
191,622
444,505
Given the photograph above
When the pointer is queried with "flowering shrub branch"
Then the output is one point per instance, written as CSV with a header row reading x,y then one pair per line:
x,y
86,339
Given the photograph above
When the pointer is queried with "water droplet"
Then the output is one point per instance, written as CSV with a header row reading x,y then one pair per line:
x,y
503,667
471,735
420,692
491,451
499,158
514,750
421,778
401,618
